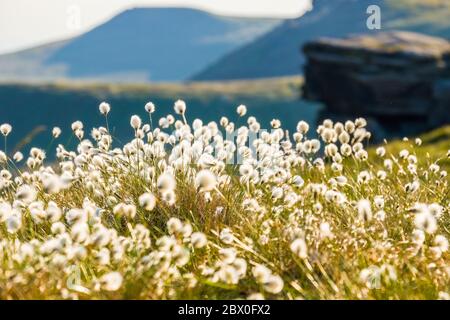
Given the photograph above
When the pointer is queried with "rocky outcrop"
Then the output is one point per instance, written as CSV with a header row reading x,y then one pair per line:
x,y
400,81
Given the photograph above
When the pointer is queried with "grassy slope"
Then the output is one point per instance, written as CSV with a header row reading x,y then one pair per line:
x,y
285,87
435,145
422,12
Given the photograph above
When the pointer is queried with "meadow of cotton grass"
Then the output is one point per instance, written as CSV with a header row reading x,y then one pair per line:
x,y
309,214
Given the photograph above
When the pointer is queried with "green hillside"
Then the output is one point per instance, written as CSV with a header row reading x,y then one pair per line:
x,y
435,146
432,16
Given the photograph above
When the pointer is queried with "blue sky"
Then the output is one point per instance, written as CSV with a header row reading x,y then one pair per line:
x,y
27,23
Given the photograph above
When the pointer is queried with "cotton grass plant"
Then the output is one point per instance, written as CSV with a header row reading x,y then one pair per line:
x,y
223,211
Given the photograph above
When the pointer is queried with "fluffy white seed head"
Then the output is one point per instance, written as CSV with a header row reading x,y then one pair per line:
x,y
135,122
227,255
111,281
274,284
364,210
166,182
381,151
299,248
174,225
77,125
147,201
18,156
205,180
303,127
149,107
104,108
56,132
198,240
5,129
241,110
179,107
426,221
14,223
26,193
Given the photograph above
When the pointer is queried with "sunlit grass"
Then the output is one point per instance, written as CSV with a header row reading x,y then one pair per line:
x,y
169,215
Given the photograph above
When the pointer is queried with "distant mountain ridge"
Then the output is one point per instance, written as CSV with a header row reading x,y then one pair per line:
x,y
29,63
157,44
277,53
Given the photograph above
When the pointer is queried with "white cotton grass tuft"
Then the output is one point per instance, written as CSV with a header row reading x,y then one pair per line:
x,y
274,284
303,127
166,182
104,108
379,202
198,240
163,122
205,181
125,210
135,122
261,273
381,151
52,183
77,125
441,242
14,222
169,197
18,156
364,210
150,107
26,193
111,281
299,248
5,129
255,296
147,201
3,157
226,236
56,132
435,209
227,255
174,225
179,107
425,221
325,231
275,123
241,110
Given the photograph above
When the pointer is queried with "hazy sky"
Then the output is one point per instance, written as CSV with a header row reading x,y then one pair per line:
x,y
26,23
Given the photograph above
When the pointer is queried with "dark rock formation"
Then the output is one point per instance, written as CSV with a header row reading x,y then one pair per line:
x,y
400,81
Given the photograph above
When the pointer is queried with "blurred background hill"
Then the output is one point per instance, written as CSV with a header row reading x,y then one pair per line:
x,y
277,52
176,44
141,44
